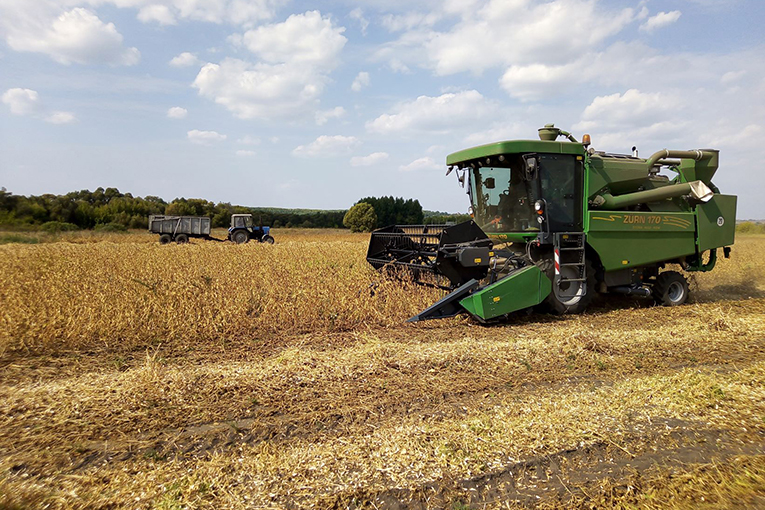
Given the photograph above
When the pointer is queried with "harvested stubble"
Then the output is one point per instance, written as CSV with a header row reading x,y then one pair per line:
x,y
381,414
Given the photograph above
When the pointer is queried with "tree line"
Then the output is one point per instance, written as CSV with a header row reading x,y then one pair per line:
x,y
111,209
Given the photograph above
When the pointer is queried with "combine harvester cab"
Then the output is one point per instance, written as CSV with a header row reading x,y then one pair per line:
x,y
555,222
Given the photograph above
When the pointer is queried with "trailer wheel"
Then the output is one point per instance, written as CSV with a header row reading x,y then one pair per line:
x,y
181,239
670,289
268,239
165,239
571,300
241,237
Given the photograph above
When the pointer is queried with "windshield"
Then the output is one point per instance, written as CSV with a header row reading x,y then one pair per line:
x,y
242,221
502,200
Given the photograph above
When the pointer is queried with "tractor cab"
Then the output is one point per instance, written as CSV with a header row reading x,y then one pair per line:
x,y
243,229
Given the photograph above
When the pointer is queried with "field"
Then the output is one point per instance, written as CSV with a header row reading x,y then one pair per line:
x,y
212,375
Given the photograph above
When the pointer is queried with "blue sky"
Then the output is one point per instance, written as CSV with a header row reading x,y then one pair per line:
x,y
317,104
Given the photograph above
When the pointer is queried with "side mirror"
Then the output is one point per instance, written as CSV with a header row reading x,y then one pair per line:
x,y
489,183
530,166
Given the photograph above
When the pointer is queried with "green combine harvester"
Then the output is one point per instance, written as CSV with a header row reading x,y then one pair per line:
x,y
555,222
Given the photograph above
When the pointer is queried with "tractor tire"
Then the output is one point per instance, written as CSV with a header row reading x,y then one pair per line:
x,y
182,239
241,237
670,289
576,303
165,239
268,239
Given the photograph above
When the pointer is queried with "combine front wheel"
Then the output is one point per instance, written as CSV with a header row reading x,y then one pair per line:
x,y
670,289
572,297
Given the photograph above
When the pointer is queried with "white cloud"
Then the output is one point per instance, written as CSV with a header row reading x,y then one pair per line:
x,y
372,159
326,146
176,112
499,131
259,90
433,114
239,12
76,36
494,33
249,140
61,118
660,20
409,20
298,56
536,81
358,15
27,102
425,163
323,116
245,153
158,13
361,81
205,137
305,39
633,108
185,59
22,101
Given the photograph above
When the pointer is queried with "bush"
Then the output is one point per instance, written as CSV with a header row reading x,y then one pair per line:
x,y
58,226
360,218
111,227
17,238
750,227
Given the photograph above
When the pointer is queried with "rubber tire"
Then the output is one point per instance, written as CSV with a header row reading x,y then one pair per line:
x,y
551,304
165,239
182,239
268,239
241,237
670,289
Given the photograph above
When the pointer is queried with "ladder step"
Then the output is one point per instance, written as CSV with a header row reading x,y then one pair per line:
x,y
578,248
580,264
572,280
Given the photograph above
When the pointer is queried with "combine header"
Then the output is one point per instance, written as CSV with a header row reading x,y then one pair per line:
x,y
555,222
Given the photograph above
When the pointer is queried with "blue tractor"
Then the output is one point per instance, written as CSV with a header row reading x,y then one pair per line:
x,y
243,229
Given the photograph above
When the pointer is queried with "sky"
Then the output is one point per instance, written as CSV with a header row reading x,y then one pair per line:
x,y
279,103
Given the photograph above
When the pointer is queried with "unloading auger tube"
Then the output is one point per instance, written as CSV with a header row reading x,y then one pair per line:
x,y
563,222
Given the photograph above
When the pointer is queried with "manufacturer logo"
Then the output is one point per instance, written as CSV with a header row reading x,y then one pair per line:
x,y
720,221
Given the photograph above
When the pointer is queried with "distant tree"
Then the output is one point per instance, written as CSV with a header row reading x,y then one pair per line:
x,y
360,218
395,211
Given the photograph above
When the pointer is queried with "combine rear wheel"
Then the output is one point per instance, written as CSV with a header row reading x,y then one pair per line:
x,y
572,297
670,289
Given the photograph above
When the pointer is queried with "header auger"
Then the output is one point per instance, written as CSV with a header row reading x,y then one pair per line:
x,y
555,222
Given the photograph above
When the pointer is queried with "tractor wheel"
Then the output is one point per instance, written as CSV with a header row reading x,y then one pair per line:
x,y
570,298
165,239
181,239
670,289
241,237
268,239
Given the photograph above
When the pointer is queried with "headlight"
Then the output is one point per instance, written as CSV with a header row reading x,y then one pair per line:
x,y
471,212
539,206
